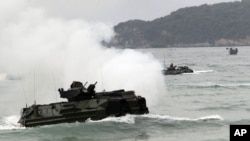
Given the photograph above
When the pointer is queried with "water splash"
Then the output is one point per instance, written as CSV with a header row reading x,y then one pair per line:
x,y
129,119
10,123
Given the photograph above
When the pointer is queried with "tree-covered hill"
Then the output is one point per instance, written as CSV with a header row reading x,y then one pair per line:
x,y
220,24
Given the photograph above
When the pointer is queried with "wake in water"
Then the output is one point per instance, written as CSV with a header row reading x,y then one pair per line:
x,y
130,119
167,117
10,122
202,71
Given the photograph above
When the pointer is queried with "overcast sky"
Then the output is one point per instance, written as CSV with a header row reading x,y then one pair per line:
x,y
115,11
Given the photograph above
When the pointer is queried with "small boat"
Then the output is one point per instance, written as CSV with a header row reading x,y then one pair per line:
x,y
173,70
233,51
83,103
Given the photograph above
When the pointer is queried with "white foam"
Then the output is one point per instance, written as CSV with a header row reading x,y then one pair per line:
x,y
211,117
202,71
167,117
130,119
10,123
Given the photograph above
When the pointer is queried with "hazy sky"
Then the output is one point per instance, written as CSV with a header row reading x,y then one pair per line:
x,y
115,11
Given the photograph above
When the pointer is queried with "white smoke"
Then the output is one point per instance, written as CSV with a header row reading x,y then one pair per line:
x,y
51,52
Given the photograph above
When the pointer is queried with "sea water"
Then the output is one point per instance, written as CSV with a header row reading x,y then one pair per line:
x,y
195,107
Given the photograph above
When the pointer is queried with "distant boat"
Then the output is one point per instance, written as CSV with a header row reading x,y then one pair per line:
x,y
233,51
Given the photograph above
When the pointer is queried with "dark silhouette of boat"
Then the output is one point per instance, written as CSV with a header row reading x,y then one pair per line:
x,y
233,51
83,103
173,70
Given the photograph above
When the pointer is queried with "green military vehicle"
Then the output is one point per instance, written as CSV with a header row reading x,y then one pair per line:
x,y
83,103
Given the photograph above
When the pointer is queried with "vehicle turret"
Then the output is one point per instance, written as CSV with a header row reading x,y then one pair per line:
x,y
77,91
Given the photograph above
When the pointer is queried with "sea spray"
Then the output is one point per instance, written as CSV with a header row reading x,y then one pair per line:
x,y
10,123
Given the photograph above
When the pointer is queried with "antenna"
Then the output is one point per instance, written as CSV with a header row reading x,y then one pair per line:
x,y
85,83
54,81
34,89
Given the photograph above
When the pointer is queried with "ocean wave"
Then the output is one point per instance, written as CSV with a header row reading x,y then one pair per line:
x,y
10,123
214,85
233,85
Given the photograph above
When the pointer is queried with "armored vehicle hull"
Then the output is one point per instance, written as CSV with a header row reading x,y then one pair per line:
x,y
83,104
179,70
233,51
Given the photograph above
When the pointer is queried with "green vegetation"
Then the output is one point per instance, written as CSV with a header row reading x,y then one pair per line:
x,y
205,25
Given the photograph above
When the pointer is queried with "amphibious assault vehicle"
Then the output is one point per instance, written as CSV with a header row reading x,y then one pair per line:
x,y
232,51
83,103
173,70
